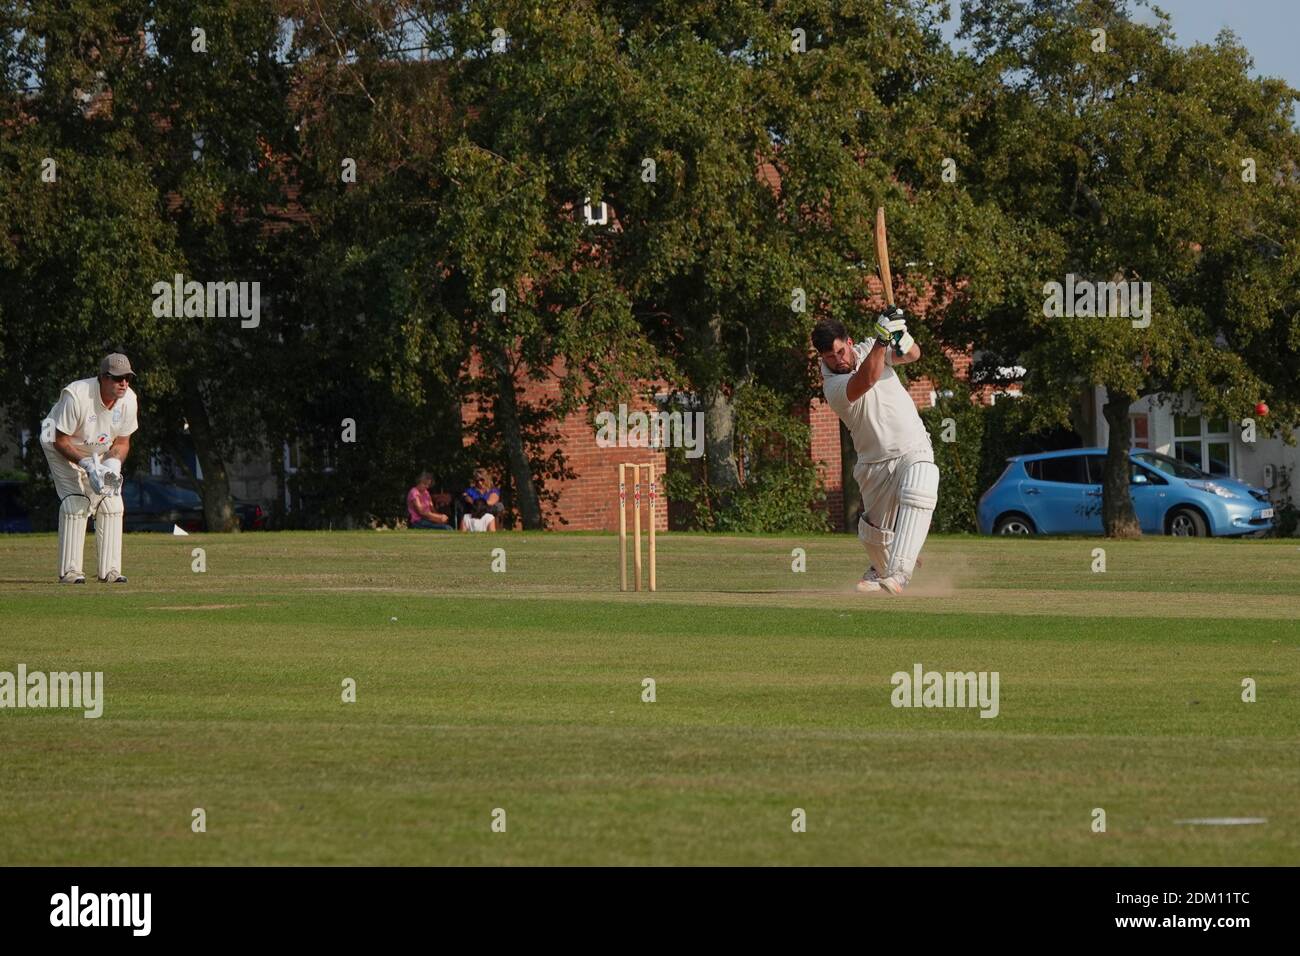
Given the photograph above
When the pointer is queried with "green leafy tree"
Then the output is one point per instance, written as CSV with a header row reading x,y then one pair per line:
x,y
161,115
1121,157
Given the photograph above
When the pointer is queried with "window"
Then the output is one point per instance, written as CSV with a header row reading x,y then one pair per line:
x,y
1069,469
1203,443
1096,469
173,496
1167,465
131,495
1149,477
315,456
1139,435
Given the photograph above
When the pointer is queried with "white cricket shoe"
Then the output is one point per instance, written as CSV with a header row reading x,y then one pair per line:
x,y
73,577
113,577
870,582
894,584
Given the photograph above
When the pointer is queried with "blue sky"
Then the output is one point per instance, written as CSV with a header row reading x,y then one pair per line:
x,y
1269,29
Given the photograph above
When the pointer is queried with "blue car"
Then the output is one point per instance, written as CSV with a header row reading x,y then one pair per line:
x,y
1059,492
13,514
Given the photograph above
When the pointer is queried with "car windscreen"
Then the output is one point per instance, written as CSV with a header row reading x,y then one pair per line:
x,y
177,497
1170,466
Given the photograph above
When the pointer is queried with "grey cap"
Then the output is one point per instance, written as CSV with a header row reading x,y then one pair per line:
x,y
115,364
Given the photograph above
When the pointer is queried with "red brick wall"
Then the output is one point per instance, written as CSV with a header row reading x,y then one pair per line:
x,y
589,501
825,426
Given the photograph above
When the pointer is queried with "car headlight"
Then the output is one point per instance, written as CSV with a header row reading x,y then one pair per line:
x,y
1214,489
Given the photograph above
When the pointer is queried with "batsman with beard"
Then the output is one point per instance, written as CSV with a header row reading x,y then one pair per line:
x,y
895,469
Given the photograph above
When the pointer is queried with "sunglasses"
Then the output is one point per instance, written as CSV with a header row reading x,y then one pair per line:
x,y
121,378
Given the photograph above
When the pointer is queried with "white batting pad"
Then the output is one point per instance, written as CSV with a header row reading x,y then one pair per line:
x,y
876,541
917,496
73,511
108,535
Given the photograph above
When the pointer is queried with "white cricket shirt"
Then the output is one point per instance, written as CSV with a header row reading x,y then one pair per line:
x,y
80,413
884,422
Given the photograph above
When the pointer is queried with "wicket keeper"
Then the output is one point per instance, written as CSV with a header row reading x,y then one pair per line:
x,y
86,438
895,469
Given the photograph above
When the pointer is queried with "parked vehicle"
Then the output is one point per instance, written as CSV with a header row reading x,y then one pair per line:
x,y
14,518
1059,492
252,516
151,505
155,505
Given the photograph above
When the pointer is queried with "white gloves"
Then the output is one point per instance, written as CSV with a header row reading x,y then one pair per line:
x,y
95,473
105,477
111,476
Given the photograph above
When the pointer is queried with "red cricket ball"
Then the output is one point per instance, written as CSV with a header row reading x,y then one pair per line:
x,y
1261,409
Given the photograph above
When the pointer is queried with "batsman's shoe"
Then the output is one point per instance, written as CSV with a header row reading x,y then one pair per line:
x,y
894,584
113,577
870,582
73,577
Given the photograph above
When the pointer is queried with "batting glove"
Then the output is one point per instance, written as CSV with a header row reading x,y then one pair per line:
x,y
903,342
887,323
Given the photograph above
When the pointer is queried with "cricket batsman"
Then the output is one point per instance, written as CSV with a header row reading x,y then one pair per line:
x,y
895,469
86,437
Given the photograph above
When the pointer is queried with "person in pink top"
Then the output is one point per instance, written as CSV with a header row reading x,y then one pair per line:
x,y
419,506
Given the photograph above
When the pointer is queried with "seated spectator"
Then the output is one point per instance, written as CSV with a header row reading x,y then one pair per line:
x,y
480,520
482,490
419,506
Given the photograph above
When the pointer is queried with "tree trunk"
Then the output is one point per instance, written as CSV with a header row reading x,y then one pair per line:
x,y
276,453
719,442
217,506
1119,520
719,426
507,411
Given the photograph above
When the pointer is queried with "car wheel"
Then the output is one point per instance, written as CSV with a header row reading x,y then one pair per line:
x,y
1186,523
1014,524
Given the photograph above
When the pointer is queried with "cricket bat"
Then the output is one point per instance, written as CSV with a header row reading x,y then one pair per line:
x,y
882,255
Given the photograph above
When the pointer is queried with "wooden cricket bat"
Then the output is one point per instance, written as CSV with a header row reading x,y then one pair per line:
x,y
882,255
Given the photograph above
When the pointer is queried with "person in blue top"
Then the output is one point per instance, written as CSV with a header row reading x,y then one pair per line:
x,y
481,490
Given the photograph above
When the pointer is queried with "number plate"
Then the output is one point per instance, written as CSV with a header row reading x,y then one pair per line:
x,y
1266,513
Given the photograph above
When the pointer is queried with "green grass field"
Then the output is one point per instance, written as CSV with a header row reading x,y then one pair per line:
x,y
522,690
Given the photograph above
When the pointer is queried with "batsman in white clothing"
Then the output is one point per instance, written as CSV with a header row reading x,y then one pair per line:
x,y
895,468
86,437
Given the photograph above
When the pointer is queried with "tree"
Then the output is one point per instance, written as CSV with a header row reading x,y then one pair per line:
x,y
1120,157
161,115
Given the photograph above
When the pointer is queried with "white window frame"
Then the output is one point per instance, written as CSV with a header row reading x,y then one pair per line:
x,y
327,456
1205,439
